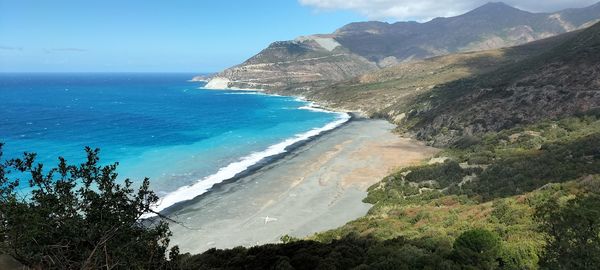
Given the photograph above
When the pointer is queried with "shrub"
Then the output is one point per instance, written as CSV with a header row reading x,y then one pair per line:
x,y
78,217
477,249
573,233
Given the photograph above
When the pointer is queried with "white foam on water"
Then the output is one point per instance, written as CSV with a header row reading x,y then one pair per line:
x,y
313,107
245,93
203,185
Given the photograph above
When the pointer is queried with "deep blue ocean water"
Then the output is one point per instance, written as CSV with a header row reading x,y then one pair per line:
x,y
157,125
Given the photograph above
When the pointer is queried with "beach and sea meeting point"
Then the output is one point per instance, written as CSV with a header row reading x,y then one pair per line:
x,y
300,134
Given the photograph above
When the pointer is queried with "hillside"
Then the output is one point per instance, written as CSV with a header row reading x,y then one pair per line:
x,y
318,60
294,64
388,92
560,82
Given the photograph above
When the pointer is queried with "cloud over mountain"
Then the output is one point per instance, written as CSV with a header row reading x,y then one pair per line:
x,y
427,9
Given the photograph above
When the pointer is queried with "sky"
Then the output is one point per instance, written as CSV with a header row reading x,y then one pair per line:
x,y
188,35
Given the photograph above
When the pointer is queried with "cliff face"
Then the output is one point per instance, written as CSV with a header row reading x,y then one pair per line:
x,y
316,61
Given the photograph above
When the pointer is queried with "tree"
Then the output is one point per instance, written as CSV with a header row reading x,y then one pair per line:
x,y
78,217
573,233
477,249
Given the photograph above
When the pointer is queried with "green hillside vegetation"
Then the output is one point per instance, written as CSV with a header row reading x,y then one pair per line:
x,y
495,182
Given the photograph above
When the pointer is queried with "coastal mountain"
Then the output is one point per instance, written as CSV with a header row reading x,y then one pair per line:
x,y
304,62
315,61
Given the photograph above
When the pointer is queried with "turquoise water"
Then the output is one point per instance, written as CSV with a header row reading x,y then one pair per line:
x,y
156,125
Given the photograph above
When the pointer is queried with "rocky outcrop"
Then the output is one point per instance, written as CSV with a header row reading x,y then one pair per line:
x,y
305,63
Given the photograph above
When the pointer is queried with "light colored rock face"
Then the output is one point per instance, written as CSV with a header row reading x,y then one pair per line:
x,y
217,83
328,43
564,24
388,61
437,160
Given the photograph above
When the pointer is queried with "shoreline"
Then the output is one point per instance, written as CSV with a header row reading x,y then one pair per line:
x,y
174,201
317,186
267,161
314,185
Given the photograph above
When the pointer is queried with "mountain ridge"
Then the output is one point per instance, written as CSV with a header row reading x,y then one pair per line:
x,y
316,61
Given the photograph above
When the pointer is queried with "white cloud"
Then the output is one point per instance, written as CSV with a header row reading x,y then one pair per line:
x,y
427,9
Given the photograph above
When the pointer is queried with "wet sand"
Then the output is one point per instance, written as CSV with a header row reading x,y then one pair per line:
x,y
316,187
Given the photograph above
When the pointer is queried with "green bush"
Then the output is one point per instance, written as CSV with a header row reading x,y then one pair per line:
x,y
574,233
478,249
78,217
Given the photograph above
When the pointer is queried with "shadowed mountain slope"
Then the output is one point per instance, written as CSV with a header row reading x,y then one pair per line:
x,y
560,82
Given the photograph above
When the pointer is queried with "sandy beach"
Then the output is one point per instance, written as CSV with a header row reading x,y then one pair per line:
x,y
316,187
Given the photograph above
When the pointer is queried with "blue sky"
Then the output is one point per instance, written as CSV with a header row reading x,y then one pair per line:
x,y
189,35
150,35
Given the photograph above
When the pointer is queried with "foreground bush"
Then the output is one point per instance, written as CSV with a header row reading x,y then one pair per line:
x,y
573,231
78,217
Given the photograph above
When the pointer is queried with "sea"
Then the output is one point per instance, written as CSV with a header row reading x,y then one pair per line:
x,y
184,138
